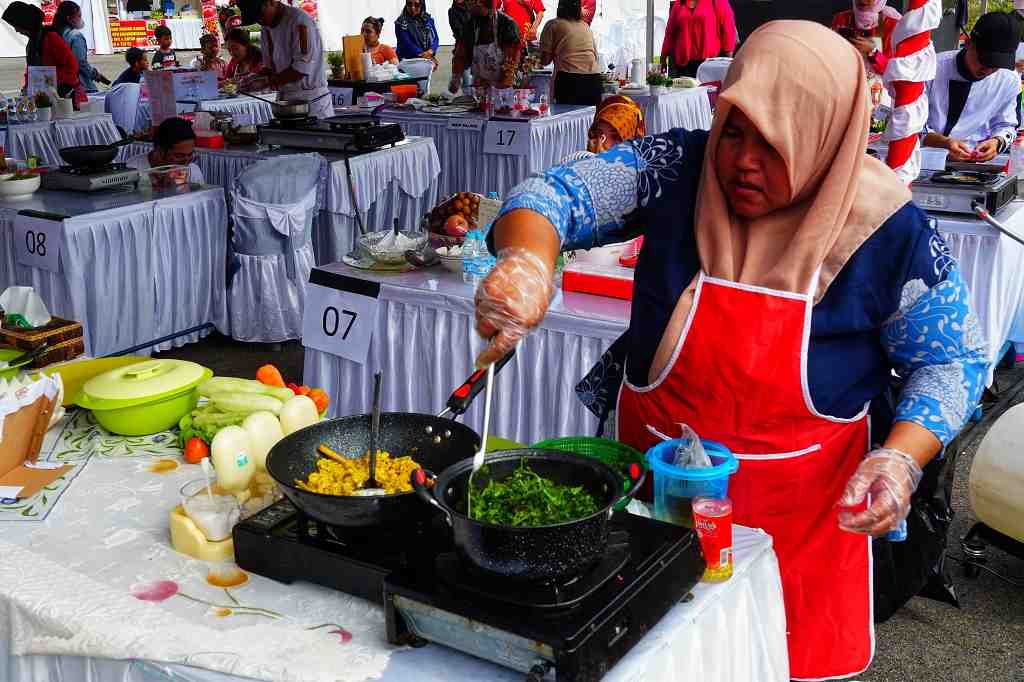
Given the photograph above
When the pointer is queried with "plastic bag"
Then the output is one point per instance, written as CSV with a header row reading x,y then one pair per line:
x,y
690,453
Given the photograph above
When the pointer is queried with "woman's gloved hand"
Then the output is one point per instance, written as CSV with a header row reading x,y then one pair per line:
x,y
890,477
511,301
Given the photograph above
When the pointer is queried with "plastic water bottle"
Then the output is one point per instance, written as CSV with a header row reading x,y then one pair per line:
x,y
899,533
487,261
1017,158
473,250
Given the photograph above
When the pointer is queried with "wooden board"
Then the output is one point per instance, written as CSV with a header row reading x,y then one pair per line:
x,y
352,47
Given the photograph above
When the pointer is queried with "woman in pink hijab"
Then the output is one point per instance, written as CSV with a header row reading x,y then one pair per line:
x,y
785,277
869,26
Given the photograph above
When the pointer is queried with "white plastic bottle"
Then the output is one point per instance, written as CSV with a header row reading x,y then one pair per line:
x,y
1017,158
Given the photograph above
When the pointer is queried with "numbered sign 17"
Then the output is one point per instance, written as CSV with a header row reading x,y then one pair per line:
x,y
38,242
339,322
507,137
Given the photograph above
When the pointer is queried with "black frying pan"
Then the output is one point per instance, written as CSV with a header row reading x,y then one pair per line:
x,y
92,155
434,442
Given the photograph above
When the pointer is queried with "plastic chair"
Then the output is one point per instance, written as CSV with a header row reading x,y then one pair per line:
x,y
122,102
274,203
714,70
421,69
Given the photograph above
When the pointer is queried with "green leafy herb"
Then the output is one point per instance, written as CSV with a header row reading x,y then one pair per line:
x,y
528,499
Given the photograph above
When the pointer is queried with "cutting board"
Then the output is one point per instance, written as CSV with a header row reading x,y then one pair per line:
x,y
352,46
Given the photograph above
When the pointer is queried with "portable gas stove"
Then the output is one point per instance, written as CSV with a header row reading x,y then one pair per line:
x,y
112,176
573,630
338,133
956,191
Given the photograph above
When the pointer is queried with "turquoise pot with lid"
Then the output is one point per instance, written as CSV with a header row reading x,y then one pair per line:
x,y
145,397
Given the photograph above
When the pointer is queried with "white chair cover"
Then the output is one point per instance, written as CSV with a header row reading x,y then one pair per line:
x,y
422,69
123,104
714,69
274,203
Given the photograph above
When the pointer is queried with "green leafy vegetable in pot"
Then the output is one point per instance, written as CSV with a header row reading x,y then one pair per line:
x,y
528,499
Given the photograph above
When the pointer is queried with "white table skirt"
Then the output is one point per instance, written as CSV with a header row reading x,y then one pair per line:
x,y
465,168
66,610
425,342
44,139
246,111
993,267
134,273
400,182
689,109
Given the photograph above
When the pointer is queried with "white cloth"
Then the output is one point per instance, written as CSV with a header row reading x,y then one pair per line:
x,y
85,129
122,102
465,168
141,163
993,267
426,329
285,49
689,109
274,205
66,609
991,108
22,140
135,267
245,110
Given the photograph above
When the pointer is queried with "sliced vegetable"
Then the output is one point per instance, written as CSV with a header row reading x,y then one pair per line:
x,y
320,399
298,413
264,431
195,450
269,375
232,385
247,403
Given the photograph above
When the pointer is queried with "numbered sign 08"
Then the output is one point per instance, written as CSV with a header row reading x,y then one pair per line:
x,y
38,242
339,322
507,137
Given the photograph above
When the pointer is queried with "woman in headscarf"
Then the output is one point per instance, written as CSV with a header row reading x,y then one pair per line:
x,y
45,47
785,276
869,26
618,119
68,22
416,32
489,46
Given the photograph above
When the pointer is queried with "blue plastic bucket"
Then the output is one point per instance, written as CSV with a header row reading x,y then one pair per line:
x,y
675,488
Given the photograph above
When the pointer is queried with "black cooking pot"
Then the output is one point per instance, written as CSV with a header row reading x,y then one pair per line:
x,y
432,441
92,155
535,553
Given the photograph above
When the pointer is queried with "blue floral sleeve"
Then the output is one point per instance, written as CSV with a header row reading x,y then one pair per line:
x,y
935,343
587,200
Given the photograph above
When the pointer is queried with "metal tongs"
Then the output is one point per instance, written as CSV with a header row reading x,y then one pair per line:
x,y
983,213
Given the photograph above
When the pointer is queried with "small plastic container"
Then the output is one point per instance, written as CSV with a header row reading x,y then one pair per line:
x,y
676,488
214,514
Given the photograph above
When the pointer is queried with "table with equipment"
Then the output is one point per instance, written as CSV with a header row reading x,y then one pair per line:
x,y
91,589
360,88
45,138
245,111
399,181
687,108
471,162
134,266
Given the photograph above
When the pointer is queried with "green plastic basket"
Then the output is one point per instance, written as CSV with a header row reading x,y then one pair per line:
x,y
613,453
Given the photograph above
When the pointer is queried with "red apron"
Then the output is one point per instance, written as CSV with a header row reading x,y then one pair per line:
x,y
739,376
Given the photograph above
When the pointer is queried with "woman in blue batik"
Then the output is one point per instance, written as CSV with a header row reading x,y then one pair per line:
x,y
785,275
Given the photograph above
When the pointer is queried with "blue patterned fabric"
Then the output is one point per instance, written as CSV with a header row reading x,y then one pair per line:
x,y
900,303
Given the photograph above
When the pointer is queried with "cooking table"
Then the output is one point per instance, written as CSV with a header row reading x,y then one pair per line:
x,y
45,138
136,265
72,589
687,108
400,182
993,267
465,166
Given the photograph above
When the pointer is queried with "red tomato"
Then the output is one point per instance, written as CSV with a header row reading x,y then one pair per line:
x,y
196,450
456,226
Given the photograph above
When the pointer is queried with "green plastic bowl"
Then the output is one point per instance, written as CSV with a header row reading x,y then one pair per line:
x,y
613,453
149,418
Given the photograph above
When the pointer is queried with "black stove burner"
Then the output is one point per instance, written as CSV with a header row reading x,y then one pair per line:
x,y
966,178
297,123
93,170
351,124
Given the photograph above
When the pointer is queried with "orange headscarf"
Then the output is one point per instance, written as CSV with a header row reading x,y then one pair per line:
x,y
624,115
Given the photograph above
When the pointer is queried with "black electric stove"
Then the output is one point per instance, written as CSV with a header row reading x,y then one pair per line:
x,y
90,179
573,630
339,133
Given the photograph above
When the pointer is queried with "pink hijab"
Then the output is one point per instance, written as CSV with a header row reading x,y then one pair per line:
x,y
868,19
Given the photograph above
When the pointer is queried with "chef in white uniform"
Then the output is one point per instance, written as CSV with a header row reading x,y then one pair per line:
x,y
975,97
293,53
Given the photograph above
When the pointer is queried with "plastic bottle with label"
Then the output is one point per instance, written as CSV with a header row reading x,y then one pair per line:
x,y
471,248
1016,166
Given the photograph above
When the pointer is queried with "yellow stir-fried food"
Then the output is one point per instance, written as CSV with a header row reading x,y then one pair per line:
x,y
345,477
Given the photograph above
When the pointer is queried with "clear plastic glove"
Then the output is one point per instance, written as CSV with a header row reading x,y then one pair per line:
x,y
511,301
890,477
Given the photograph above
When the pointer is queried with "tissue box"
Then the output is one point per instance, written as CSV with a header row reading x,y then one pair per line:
x,y
57,332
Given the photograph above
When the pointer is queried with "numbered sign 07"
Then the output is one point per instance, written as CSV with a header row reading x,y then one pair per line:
x,y
339,322
507,137
38,242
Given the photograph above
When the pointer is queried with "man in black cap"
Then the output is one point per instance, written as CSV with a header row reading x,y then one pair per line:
x,y
974,101
293,53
